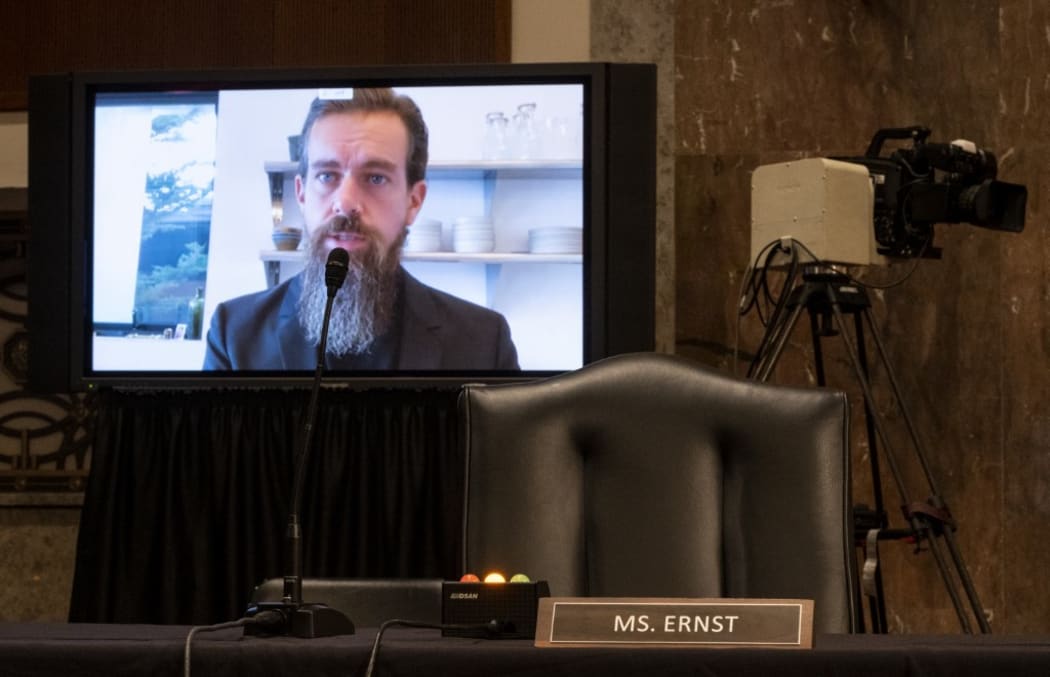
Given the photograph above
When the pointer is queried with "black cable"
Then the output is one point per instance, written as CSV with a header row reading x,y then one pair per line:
x,y
492,628
803,247
886,285
753,282
261,618
907,276
791,247
767,293
747,296
762,292
776,318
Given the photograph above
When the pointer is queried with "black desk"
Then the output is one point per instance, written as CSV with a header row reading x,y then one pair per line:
x,y
75,650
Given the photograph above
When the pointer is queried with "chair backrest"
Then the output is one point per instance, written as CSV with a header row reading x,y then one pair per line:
x,y
648,475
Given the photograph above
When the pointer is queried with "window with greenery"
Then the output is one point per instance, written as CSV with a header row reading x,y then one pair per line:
x,y
176,216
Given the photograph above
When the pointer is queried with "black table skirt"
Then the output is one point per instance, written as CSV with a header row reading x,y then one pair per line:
x,y
73,650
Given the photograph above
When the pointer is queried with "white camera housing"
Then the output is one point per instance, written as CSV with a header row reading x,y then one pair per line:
x,y
827,205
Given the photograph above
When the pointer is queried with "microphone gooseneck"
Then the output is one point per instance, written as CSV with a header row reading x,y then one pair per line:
x,y
309,620
334,276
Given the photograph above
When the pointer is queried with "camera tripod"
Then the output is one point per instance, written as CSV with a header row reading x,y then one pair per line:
x,y
829,296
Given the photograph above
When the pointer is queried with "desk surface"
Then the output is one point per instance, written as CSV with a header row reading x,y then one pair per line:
x,y
77,650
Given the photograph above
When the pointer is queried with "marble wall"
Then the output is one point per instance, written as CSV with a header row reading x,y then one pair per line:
x,y
643,32
763,81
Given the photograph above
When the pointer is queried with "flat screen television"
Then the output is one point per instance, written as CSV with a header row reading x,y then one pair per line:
x,y
157,197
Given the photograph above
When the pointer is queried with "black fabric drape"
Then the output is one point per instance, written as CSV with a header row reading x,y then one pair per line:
x,y
188,498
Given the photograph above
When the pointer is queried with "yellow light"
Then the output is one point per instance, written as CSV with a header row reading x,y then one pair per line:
x,y
495,577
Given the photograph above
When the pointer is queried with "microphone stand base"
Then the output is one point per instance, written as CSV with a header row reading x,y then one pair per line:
x,y
307,620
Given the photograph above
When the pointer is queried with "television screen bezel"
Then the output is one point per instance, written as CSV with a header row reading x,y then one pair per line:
x,y
634,117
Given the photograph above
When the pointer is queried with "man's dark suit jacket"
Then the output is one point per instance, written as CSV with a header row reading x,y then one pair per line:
x,y
261,331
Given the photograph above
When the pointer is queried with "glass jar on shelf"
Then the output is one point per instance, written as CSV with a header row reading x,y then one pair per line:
x,y
526,137
494,143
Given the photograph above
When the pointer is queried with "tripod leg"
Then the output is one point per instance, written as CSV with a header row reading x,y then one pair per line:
x,y
936,500
869,422
763,366
879,601
927,533
873,591
818,348
967,582
921,527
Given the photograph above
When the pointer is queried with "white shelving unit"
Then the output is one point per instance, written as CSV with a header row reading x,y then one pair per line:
x,y
279,264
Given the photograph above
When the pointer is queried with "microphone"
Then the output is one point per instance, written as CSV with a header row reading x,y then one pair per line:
x,y
334,276
297,618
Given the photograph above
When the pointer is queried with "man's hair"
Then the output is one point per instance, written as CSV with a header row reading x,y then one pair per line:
x,y
369,101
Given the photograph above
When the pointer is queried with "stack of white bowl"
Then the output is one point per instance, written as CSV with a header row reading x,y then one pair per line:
x,y
473,235
556,240
424,236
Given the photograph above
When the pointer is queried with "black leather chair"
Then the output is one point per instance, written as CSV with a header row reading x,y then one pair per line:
x,y
647,475
366,601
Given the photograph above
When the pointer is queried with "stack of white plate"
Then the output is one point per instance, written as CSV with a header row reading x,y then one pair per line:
x,y
473,235
424,236
556,240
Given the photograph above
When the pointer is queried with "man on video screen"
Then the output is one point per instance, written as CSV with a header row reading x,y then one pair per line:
x,y
360,183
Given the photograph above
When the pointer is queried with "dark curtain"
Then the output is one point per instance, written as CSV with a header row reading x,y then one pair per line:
x,y
188,498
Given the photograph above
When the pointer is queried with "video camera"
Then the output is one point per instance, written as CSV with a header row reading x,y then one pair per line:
x,y
861,217
935,183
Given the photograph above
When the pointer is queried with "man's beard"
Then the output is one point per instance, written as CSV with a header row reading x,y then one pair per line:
x,y
363,309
